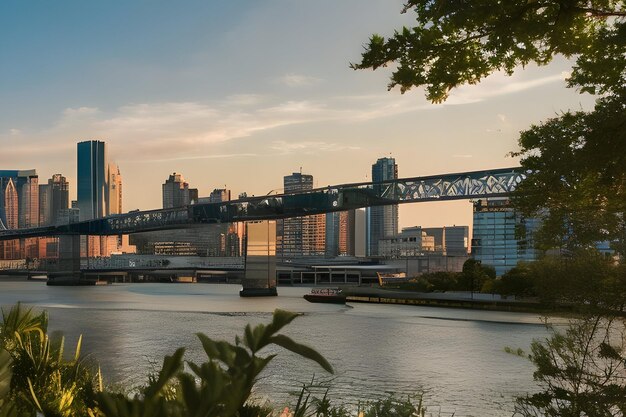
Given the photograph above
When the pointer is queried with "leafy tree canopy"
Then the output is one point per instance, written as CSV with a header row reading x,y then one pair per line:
x,y
576,162
461,42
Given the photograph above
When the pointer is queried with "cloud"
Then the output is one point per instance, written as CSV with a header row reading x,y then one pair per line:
x,y
171,130
195,157
296,80
285,147
498,84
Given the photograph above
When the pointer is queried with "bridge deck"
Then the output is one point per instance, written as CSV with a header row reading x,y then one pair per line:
x,y
467,185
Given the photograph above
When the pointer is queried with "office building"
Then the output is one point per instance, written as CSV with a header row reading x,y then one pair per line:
x,y
219,195
411,242
383,220
9,208
300,236
176,192
99,194
215,240
113,196
53,198
91,179
342,237
9,214
450,240
26,183
494,240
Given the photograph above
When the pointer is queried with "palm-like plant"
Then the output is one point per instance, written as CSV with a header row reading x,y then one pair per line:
x,y
42,379
221,386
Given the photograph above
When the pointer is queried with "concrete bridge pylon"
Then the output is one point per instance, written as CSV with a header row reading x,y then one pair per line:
x,y
260,259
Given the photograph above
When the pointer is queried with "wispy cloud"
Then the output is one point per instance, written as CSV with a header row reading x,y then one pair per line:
x,y
192,158
498,84
285,147
298,80
177,130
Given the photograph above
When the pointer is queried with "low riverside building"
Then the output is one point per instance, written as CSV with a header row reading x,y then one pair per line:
x,y
418,241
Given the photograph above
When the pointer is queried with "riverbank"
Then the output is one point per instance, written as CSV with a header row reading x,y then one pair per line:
x,y
472,301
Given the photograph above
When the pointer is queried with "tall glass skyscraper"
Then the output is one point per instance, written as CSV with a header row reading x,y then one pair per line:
x,y
494,238
382,221
91,179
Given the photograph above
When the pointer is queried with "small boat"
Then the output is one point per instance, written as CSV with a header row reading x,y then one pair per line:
x,y
326,295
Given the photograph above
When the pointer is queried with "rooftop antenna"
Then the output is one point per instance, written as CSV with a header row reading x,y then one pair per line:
x,y
300,170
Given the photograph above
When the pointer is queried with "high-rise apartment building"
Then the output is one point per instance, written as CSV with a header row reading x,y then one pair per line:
x,y
91,179
494,240
300,236
53,197
383,221
176,192
113,190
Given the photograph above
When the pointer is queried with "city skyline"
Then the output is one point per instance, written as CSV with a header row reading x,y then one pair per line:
x,y
227,98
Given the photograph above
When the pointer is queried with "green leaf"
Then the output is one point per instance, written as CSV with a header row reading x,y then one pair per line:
x,y
5,373
171,366
78,346
302,350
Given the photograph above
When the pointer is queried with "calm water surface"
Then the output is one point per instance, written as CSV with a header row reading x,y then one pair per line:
x,y
455,356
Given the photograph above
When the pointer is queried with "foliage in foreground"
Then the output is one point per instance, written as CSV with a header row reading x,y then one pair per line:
x,y
580,371
35,376
36,379
576,162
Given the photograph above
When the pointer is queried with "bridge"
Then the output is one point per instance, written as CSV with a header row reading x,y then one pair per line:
x,y
260,213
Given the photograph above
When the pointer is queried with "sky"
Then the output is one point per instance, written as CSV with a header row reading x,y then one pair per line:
x,y
241,93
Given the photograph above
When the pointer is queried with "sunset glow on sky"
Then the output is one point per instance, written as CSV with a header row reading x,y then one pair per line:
x,y
241,93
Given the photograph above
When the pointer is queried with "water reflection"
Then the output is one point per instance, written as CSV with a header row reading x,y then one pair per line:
x,y
457,356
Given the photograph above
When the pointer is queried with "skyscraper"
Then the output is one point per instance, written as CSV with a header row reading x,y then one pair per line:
x,y
383,221
91,179
176,192
340,233
8,217
8,204
113,190
26,183
301,236
53,197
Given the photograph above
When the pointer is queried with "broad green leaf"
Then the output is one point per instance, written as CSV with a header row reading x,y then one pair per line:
x,y
171,366
5,373
302,350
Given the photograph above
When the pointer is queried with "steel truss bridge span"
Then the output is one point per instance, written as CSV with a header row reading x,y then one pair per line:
x,y
468,185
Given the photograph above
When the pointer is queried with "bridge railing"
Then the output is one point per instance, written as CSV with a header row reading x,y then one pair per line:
x,y
468,185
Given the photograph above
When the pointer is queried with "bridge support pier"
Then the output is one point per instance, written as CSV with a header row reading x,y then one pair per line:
x,y
260,259
68,269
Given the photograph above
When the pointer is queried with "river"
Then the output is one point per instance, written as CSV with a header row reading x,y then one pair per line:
x,y
455,357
